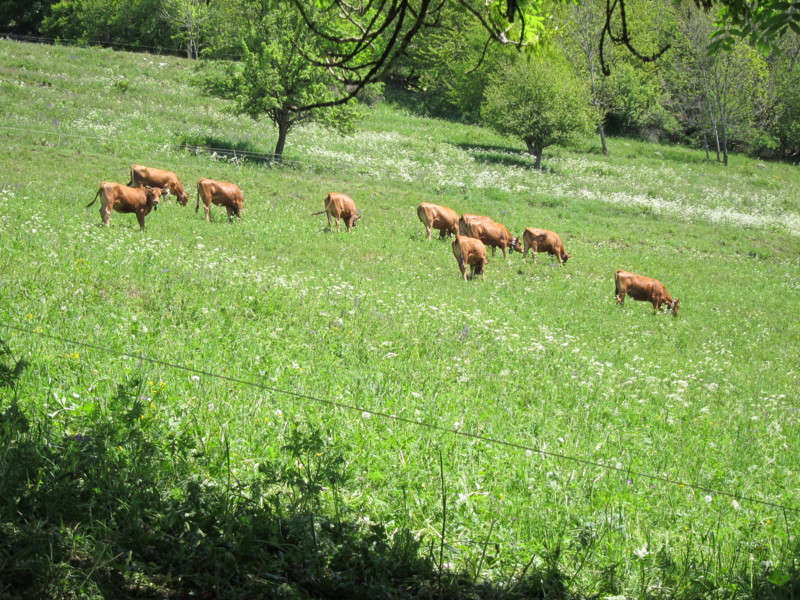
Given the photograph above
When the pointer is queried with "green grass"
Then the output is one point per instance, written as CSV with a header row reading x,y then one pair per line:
x,y
537,356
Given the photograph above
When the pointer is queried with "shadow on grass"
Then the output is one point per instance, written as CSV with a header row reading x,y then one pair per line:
x,y
123,510
128,508
421,104
498,155
232,150
9,375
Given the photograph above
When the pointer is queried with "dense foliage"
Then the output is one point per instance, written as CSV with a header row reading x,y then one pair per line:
x,y
741,99
539,101
275,79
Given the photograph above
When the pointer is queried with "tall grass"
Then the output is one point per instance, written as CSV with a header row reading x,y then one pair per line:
x,y
141,478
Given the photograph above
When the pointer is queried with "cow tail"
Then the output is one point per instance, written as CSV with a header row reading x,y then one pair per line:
x,y
197,206
95,197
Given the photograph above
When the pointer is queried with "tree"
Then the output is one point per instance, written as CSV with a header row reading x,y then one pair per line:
x,y
23,16
369,36
539,100
191,17
450,64
111,22
728,95
786,74
584,24
275,78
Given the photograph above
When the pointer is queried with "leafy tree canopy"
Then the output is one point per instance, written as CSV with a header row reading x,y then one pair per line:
x,y
538,100
275,78
368,36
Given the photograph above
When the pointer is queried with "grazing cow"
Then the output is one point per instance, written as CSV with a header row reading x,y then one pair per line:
x,y
338,206
495,235
645,289
472,252
124,199
438,217
466,221
543,240
166,180
220,193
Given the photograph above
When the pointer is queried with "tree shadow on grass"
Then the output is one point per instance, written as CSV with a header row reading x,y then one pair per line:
x,y
498,155
9,375
231,150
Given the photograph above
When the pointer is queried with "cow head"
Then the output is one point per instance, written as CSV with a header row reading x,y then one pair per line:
x,y
674,307
356,218
183,199
516,245
565,256
153,195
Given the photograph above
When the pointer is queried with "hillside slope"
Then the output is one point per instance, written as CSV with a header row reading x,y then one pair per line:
x,y
270,376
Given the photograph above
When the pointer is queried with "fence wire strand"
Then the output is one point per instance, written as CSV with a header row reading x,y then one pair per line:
x,y
405,420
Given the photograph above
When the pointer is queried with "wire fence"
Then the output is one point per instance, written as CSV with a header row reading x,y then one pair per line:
x,y
408,421
81,42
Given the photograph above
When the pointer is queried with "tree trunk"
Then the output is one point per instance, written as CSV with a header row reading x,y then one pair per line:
x,y
724,144
602,131
535,150
283,130
705,143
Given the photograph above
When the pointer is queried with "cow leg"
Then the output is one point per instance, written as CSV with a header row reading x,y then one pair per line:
x,y
207,208
620,298
463,267
105,215
140,218
230,213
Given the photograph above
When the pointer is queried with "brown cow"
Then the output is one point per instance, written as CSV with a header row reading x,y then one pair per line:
x,y
645,289
438,217
466,221
220,193
472,252
495,235
338,206
124,199
166,180
544,240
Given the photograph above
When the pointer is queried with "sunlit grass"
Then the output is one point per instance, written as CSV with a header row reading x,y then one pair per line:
x,y
379,319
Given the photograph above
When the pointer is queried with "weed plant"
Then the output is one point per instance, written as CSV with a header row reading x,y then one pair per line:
x,y
223,426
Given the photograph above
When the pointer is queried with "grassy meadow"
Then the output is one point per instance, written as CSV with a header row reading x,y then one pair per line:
x,y
139,463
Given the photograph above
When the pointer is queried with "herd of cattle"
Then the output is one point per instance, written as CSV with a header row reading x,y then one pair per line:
x,y
147,185
473,233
